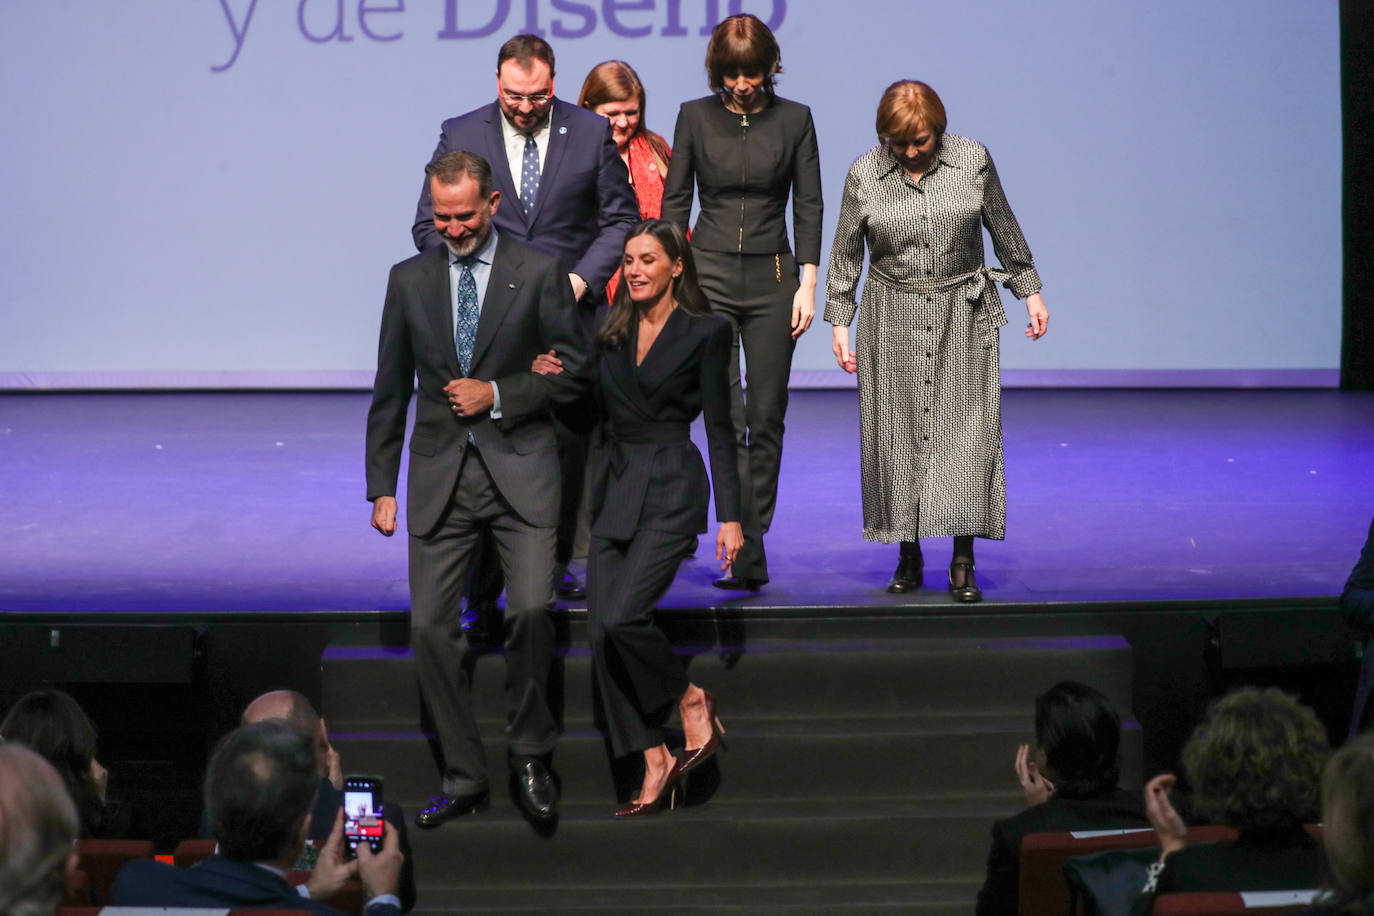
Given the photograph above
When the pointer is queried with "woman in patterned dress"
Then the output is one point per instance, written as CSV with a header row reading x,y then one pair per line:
x,y
612,89
926,351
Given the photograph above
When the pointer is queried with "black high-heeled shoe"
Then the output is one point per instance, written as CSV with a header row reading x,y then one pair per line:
x,y
910,570
968,592
639,809
695,757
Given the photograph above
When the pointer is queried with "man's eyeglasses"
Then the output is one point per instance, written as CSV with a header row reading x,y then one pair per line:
x,y
515,98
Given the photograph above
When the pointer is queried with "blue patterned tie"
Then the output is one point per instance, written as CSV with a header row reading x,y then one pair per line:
x,y
529,174
465,328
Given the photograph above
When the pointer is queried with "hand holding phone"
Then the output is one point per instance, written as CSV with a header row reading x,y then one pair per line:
x,y
362,810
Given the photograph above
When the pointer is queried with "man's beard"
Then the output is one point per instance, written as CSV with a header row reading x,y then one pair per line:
x,y
464,247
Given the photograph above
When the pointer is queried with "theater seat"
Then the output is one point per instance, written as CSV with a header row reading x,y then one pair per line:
x,y
101,860
1043,891
1217,904
189,852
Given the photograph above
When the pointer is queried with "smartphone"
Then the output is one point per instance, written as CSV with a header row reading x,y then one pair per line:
x,y
362,802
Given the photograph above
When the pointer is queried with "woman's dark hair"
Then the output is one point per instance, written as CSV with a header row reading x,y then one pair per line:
x,y
1256,760
742,45
55,726
615,330
1079,732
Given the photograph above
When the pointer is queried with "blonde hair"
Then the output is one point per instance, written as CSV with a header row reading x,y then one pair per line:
x,y
37,830
906,107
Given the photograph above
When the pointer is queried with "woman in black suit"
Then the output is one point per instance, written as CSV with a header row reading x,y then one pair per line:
x,y
663,358
746,150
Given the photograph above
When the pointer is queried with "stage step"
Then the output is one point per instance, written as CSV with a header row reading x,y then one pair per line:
x,y
909,754
363,684
861,775
641,894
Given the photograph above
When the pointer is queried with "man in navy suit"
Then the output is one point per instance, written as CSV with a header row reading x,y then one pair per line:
x,y
468,319
565,192
258,792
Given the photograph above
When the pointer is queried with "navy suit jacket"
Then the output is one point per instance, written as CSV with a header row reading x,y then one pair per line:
x,y
585,203
527,310
216,882
649,473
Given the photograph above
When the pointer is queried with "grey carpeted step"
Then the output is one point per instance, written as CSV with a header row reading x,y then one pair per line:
x,y
855,757
666,897
368,684
716,844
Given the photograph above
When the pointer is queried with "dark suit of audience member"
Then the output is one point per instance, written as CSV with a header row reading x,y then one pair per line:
x,y
258,790
1357,599
1110,809
744,151
216,882
578,212
483,459
1284,859
1070,777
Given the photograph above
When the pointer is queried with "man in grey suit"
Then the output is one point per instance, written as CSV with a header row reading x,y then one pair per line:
x,y
468,319
567,193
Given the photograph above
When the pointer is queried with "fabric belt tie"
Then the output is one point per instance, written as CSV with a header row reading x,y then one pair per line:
x,y
980,288
664,432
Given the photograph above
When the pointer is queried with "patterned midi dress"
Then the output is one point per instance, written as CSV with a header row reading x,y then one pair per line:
x,y
927,341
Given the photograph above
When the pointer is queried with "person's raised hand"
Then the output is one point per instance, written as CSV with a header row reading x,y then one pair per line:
x,y
1034,785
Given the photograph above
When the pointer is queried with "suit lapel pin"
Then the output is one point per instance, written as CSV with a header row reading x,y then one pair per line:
x,y
563,130
511,285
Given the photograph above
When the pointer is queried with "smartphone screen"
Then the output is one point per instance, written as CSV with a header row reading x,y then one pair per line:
x,y
362,801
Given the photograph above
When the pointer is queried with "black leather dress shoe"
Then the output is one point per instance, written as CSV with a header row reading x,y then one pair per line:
x,y
446,807
968,591
908,575
739,583
535,790
566,586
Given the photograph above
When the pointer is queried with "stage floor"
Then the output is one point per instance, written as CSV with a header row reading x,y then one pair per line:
x,y
253,502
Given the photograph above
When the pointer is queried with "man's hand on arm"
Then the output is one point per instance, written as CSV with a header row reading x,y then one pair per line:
x,y
384,515
469,396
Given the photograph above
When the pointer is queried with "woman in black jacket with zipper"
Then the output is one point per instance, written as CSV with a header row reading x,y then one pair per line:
x,y
745,151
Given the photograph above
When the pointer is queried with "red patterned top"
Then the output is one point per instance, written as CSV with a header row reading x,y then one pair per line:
x,y
648,185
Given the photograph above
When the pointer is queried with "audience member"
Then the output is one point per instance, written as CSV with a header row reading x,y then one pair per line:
x,y
1069,779
38,825
295,709
259,789
1348,828
1357,598
1254,764
54,725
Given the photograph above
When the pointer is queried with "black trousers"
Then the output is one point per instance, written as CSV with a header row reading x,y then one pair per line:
x,y
639,676
440,565
754,291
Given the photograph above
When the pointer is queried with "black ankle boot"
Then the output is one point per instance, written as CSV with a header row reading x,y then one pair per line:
x,y
910,567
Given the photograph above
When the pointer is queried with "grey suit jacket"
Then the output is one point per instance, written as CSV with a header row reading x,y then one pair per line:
x,y
527,310
585,203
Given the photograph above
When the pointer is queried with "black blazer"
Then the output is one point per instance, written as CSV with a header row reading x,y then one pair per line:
x,y
1113,809
1285,860
743,176
527,310
216,882
649,474
585,203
